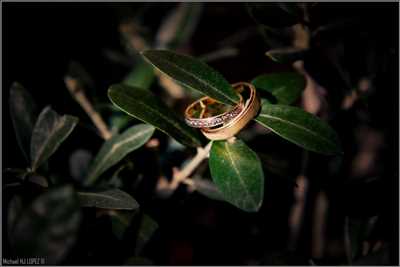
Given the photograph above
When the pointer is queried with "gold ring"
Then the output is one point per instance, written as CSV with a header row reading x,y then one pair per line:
x,y
231,128
206,122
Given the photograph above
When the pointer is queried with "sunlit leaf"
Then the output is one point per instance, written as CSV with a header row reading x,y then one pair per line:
x,y
47,229
300,127
193,73
49,132
23,115
107,199
285,87
146,107
237,171
116,148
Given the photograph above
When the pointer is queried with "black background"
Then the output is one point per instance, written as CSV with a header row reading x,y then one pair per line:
x,y
39,41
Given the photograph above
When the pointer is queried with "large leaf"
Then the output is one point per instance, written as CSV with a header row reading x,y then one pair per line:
x,y
49,132
47,229
145,106
300,127
193,73
285,87
23,115
108,199
237,171
116,148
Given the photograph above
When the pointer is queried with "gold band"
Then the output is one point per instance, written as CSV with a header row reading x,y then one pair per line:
x,y
250,110
206,122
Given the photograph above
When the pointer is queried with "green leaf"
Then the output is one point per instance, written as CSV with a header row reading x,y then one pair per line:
x,y
300,127
141,76
47,229
193,73
146,107
237,171
286,87
108,199
116,148
23,115
147,228
49,132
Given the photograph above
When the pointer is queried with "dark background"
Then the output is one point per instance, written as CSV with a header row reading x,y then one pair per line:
x,y
39,41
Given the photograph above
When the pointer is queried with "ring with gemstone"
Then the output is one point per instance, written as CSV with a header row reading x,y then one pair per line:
x,y
233,126
201,113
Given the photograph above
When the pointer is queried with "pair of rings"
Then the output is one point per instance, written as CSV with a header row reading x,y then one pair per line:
x,y
225,124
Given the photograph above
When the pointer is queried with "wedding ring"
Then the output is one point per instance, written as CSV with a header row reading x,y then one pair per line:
x,y
207,122
233,126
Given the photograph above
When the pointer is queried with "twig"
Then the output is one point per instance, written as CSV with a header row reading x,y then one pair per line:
x,y
183,174
77,92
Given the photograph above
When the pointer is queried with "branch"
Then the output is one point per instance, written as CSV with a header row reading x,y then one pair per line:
x,y
183,174
77,92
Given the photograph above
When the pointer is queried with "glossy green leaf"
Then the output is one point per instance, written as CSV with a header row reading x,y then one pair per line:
x,y
285,87
141,76
146,230
300,127
207,188
286,55
23,115
108,199
237,171
49,132
116,148
193,73
47,229
146,107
